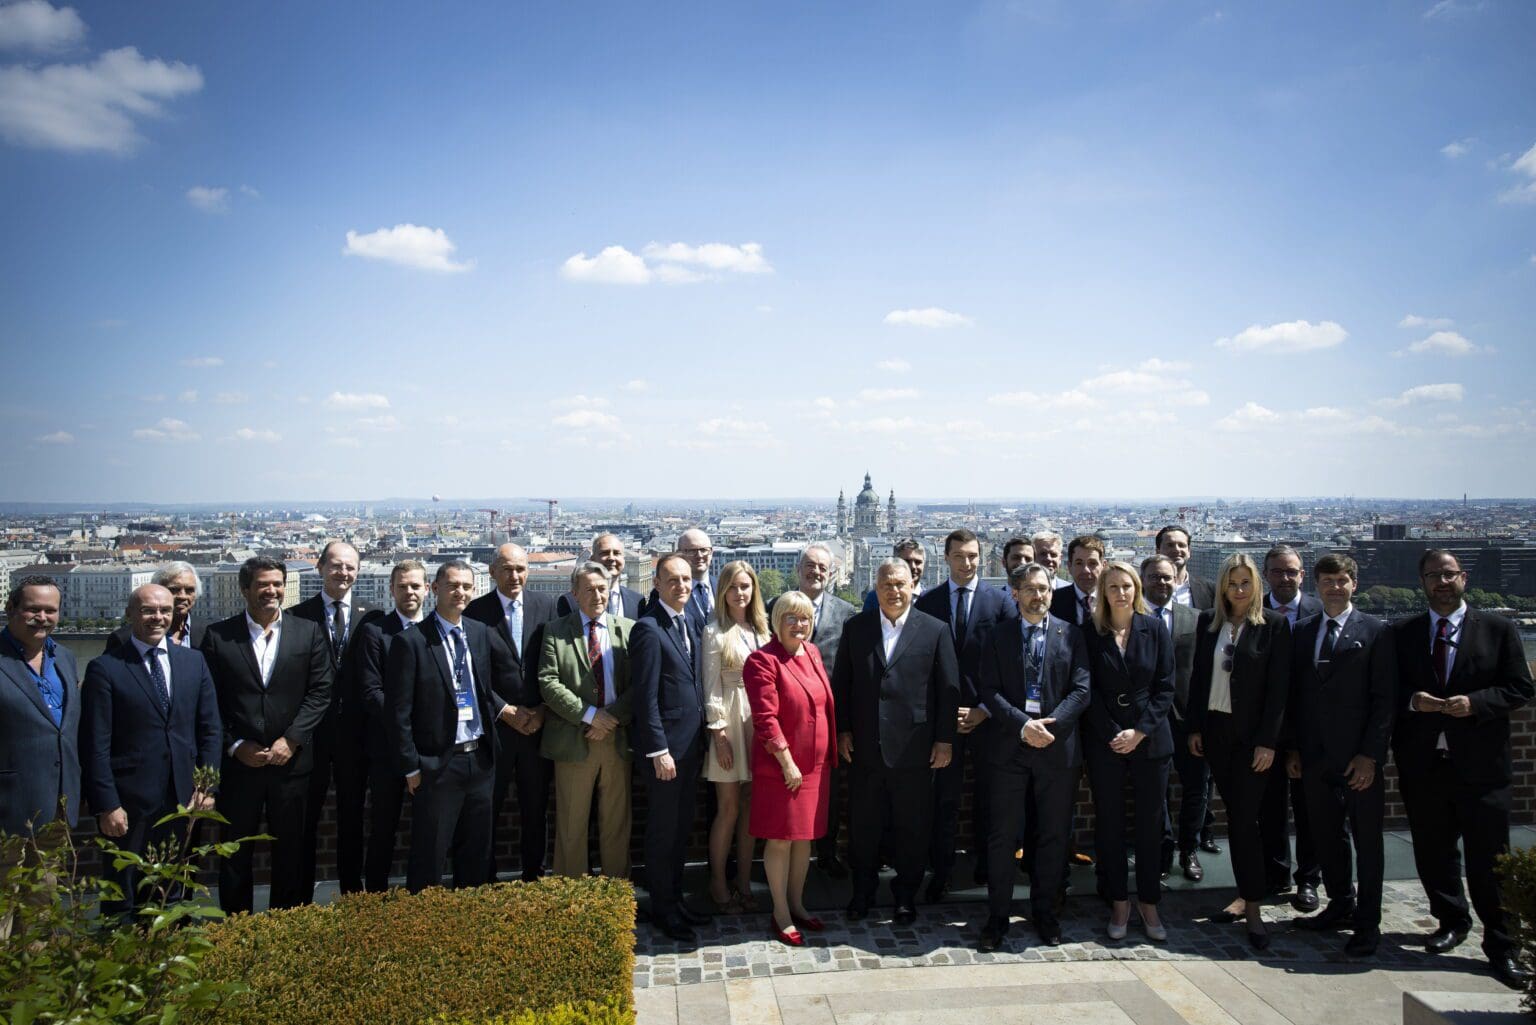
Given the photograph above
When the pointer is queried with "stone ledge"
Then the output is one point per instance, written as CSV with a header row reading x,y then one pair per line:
x,y
1446,1007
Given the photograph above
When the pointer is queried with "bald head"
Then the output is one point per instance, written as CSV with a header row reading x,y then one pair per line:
x,y
694,545
149,613
510,570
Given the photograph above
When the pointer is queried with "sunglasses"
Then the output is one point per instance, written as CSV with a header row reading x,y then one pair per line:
x,y
1226,663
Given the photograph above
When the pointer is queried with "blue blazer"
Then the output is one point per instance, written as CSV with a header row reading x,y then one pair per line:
x,y
1133,690
39,762
668,694
135,756
990,606
1064,684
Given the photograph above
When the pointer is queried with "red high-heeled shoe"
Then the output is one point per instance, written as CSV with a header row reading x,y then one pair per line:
x,y
789,937
810,923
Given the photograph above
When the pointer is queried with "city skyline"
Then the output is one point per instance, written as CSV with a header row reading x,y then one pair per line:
x,y
275,255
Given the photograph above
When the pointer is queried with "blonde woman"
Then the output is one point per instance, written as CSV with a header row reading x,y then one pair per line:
x,y
1237,692
739,629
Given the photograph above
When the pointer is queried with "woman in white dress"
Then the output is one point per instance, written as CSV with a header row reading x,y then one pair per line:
x,y
740,628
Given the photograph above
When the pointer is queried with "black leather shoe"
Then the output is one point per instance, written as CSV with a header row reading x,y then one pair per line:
x,y
1508,970
1050,933
1258,940
1190,863
832,866
1362,944
1305,899
906,914
1445,938
1336,915
935,890
691,916
992,935
677,929
1210,846
857,911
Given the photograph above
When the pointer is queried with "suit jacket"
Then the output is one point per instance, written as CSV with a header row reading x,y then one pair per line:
x,y
538,611
39,762
1260,683
835,613
1202,593
1064,692
119,637
990,605
420,708
295,699
1490,669
664,679
1064,605
903,705
374,639
1185,620
346,697
1342,708
134,755
634,603
1133,689
569,688
1307,606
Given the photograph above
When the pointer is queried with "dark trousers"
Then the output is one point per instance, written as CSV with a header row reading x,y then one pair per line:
x,y
451,814
1441,809
386,790
246,798
1281,795
1108,775
826,844
339,753
1048,789
1242,790
1194,800
972,747
1334,811
141,833
522,766
891,810
668,823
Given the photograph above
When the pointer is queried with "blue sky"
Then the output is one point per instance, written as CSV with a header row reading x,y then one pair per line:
x,y
1028,249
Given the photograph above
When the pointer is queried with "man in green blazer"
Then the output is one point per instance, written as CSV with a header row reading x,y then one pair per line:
x,y
584,680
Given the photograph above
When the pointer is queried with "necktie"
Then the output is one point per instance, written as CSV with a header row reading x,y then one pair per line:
x,y
1165,616
157,677
595,656
1441,656
461,679
1087,606
616,602
515,626
1330,639
962,614
1032,659
679,624
338,632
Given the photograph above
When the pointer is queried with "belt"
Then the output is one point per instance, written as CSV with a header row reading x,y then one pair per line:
x,y
464,748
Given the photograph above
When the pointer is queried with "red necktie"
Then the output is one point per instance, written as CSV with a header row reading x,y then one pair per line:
x,y
595,656
1442,652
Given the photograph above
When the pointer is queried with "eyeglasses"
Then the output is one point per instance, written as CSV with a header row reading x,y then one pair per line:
x,y
791,618
1226,663
1441,576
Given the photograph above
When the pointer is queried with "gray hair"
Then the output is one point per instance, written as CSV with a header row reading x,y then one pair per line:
x,y
816,546
1021,574
588,569
1048,536
888,566
171,570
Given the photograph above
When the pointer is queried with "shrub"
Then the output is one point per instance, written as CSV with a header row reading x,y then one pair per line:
x,y
612,1012
459,955
1517,870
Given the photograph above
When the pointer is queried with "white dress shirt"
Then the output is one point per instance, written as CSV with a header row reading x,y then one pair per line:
x,y
407,621
890,632
265,639
1322,629
1163,614
331,605
162,653
1221,678
464,728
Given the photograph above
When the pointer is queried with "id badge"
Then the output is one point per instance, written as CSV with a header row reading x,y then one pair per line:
x,y
1032,700
465,702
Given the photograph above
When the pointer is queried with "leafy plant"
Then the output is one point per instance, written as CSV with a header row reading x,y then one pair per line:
x,y
1517,872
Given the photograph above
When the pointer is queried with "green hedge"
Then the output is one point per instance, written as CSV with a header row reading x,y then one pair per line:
x,y
556,948
1517,873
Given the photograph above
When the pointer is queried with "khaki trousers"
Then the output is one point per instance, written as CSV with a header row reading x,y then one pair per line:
x,y
607,773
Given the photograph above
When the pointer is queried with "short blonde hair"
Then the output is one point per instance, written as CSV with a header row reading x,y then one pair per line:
x,y
796,602
757,619
1101,597
1222,614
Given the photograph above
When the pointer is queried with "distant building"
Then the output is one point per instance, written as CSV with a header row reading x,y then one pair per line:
x,y
101,592
1503,567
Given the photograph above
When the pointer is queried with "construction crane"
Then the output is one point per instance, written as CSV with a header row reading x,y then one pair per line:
x,y
493,513
554,511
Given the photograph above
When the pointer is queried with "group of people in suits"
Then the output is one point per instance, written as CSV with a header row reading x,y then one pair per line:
x,y
1280,700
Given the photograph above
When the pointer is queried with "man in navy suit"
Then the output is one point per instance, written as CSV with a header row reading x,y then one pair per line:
x,y
148,716
1085,561
1339,716
1283,574
1035,683
695,546
608,549
520,615
668,738
969,610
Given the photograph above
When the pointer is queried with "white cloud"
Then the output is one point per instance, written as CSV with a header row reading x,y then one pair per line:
x,y
1158,388
1450,343
257,434
356,400
724,426
387,422
881,425
580,402
231,398
1325,413
250,192
1249,416
203,362
1451,8
1426,393
1456,149
38,25
209,199
1414,320
637,385
1162,366
615,265
895,366
1526,193
1291,336
166,429
670,263
746,258
408,245
57,437
887,394
190,395
84,107
928,316
825,402
344,441
587,420
1074,398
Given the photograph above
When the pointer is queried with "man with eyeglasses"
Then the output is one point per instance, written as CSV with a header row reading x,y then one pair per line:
x,y
1461,672
699,552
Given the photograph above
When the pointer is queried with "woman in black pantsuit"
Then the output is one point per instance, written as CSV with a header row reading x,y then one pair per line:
x,y
1237,691
1127,740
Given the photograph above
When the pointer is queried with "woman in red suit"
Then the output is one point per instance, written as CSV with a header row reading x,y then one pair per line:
x,y
796,735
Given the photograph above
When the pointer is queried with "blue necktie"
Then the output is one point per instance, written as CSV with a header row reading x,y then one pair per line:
x,y
515,625
157,677
461,680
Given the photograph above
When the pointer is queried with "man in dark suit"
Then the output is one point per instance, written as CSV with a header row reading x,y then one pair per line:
x,y
668,738
386,786
969,611
520,615
442,687
695,546
896,685
1339,716
623,601
911,551
1017,551
340,746
1046,545
181,579
1188,589
1461,672
1035,683
273,676
1283,573
1157,584
149,716
1085,561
